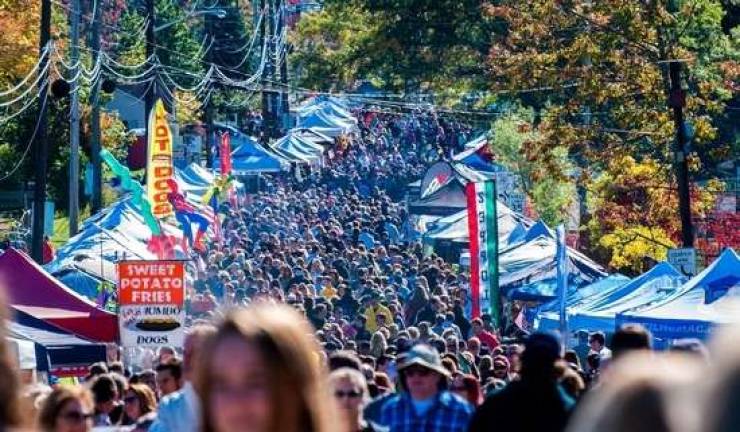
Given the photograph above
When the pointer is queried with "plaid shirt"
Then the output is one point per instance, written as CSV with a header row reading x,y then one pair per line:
x,y
450,413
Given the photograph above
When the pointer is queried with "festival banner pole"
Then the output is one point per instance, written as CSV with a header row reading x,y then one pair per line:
x,y
562,281
492,253
483,235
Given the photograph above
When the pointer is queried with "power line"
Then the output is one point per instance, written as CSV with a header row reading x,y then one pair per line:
x,y
29,145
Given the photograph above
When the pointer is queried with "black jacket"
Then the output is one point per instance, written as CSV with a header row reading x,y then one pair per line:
x,y
524,406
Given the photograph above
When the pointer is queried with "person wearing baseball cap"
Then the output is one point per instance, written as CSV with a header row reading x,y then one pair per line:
x,y
424,402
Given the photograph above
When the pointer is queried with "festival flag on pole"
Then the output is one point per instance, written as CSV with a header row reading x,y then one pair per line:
x,y
562,279
483,233
225,153
159,162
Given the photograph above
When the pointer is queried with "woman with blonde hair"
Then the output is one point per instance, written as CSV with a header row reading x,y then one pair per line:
x,y
261,372
351,394
67,409
642,392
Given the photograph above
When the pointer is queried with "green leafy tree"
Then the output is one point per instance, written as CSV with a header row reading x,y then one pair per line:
x,y
406,45
552,192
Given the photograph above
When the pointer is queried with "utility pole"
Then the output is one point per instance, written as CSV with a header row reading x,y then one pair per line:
x,y
264,7
41,151
273,59
208,113
97,183
284,66
677,100
151,41
74,122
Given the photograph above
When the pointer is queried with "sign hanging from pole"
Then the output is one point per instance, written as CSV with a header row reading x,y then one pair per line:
x,y
151,296
684,260
224,151
159,162
483,233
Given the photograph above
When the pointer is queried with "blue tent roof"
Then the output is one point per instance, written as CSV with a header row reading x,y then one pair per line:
x,y
649,288
249,157
518,234
327,123
712,297
455,226
79,281
548,314
472,158
332,104
528,270
115,232
295,148
539,229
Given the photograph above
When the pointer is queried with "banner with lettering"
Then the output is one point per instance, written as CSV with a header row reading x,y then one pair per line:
x,y
483,233
224,152
151,295
159,161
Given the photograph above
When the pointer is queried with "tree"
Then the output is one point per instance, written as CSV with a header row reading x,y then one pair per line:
x,y
596,75
330,47
18,39
403,45
236,50
552,192
632,205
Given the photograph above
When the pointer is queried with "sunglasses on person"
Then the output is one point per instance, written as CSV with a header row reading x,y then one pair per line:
x,y
458,388
77,416
352,394
130,399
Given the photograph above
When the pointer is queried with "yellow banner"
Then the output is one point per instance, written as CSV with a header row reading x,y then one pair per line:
x,y
159,161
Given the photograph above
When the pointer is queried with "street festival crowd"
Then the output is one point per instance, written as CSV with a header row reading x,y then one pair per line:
x,y
319,311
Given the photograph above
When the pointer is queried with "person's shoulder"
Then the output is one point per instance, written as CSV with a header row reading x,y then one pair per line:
x,y
389,402
171,401
456,402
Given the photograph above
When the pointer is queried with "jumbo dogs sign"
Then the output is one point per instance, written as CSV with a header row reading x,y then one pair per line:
x,y
151,295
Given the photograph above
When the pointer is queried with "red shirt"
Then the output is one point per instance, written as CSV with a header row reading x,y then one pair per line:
x,y
48,252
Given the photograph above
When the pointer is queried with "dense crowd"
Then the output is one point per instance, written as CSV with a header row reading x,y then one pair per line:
x,y
320,310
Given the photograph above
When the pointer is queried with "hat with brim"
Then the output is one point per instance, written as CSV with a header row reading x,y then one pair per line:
x,y
424,356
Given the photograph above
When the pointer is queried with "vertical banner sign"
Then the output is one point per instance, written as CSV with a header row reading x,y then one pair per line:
x,y
483,233
151,297
562,280
225,153
159,162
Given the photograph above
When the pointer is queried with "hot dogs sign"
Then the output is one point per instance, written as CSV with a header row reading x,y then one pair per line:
x,y
151,295
159,162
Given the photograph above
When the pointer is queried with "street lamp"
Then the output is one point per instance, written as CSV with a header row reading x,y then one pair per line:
x,y
218,13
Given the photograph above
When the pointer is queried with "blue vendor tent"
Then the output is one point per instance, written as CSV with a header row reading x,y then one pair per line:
x,y
649,288
710,298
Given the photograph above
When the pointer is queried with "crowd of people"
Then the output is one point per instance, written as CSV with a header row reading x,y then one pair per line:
x,y
319,310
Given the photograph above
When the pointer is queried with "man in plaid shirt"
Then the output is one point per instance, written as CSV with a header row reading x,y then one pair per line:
x,y
424,405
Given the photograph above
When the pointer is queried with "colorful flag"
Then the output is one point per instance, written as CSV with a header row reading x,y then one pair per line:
x,y
483,233
159,162
225,153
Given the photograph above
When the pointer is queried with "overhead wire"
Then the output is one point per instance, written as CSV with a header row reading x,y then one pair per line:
x,y
44,54
29,145
23,109
33,86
